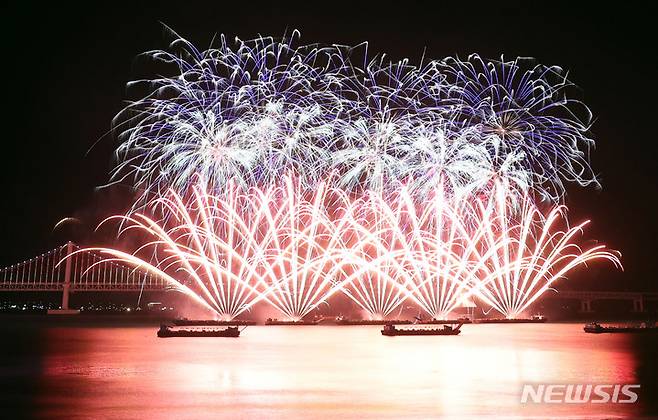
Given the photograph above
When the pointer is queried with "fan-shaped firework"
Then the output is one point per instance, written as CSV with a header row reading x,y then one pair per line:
x,y
295,251
203,246
233,250
518,261
441,252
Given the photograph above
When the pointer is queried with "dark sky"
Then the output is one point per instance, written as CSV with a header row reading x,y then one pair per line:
x,y
65,69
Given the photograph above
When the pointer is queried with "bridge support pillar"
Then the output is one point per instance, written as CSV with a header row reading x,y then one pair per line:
x,y
638,305
586,306
66,288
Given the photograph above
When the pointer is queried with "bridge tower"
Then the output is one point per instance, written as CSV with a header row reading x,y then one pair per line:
x,y
66,287
638,305
586,306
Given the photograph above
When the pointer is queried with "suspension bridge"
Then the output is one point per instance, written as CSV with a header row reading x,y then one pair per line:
x,y
87,271
82,271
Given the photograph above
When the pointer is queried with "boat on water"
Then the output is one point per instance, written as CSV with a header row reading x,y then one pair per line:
x,y
391,330
184,322
536,319
596,328
275,321
167,331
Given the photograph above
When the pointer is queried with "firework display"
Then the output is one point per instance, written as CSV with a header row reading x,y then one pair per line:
x,y
277,173
295,250
252,111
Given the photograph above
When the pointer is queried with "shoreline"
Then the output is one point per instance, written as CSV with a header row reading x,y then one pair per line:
x,y
118,320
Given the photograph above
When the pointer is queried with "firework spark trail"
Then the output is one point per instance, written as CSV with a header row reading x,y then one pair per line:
x,y
249,112
519,261
414,255
436,239
440,252
294,251
198,248
298,242
227,110
526,106
369,271
231,251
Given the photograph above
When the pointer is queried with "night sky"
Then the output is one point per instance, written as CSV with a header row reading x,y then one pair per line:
x,y
65,69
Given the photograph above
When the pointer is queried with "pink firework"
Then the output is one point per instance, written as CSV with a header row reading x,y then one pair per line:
x,y
295,249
